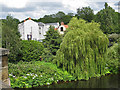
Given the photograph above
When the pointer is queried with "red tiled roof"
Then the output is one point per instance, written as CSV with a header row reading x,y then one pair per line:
x,y
55,28
66,26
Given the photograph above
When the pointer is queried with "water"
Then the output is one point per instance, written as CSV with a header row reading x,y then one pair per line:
x,y
108,81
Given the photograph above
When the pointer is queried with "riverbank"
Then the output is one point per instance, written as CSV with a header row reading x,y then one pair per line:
x,y
107,81
38,74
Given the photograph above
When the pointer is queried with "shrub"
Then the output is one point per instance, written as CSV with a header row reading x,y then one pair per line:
x,y
47,56
30,50
83,50
113,61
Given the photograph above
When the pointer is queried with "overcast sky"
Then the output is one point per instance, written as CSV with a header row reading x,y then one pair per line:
x,y
23,9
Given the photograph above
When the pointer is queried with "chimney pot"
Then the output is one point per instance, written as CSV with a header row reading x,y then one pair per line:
x,y
62,23
29,18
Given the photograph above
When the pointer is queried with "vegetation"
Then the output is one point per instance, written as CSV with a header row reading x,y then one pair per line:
x,y
83,50
11,37
114,38
30,50
34,74
85,13
113,61
58,17
81,53
52,40
109,20
51,44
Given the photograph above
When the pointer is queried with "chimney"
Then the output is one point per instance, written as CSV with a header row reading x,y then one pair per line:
x,y
62,23
29,18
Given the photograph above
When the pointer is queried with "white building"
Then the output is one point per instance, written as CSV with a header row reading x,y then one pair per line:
x,y
34,30
62,28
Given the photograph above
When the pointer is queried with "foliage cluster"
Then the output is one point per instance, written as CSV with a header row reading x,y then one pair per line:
x,y
51,44
30,50
85,13
83,50
109,20
34,74
57,17
113,58
11,36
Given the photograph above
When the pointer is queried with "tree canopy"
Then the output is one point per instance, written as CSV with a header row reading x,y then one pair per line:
x,y
83,50
109,20
11,36
52,40
58,17
85,13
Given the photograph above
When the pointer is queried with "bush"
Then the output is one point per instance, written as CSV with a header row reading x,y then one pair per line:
x,y
113,61
34,74
83,50
30,50
47,56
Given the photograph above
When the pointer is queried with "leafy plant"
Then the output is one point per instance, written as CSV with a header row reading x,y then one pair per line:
x,y
36,73
113,56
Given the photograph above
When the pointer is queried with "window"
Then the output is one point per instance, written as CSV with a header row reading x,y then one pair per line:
x,y
39,27
61,29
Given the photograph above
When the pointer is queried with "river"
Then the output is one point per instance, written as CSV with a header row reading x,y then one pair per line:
x,y
108,81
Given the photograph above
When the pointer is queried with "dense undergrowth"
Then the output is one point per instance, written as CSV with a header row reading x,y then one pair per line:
x,y
34,74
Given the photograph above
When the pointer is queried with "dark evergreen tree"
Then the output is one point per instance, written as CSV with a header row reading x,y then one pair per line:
x,y
52,40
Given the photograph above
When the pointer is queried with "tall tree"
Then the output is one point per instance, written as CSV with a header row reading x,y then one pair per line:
x,y
83,50
85,13
109,20
11,36
60,14
52,40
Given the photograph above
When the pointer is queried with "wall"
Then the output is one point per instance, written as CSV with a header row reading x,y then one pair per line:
x,y
4,79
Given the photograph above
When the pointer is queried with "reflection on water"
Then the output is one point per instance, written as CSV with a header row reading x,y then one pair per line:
x,y
109,81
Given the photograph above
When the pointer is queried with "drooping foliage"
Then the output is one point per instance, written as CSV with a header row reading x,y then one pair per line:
x,y
83,50
113,61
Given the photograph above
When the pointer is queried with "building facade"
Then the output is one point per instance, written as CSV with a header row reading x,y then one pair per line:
x,y
31,30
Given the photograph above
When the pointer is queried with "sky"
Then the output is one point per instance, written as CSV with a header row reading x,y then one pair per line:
x,y
22,9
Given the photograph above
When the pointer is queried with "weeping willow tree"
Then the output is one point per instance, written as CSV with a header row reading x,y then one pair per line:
x,y
83,50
